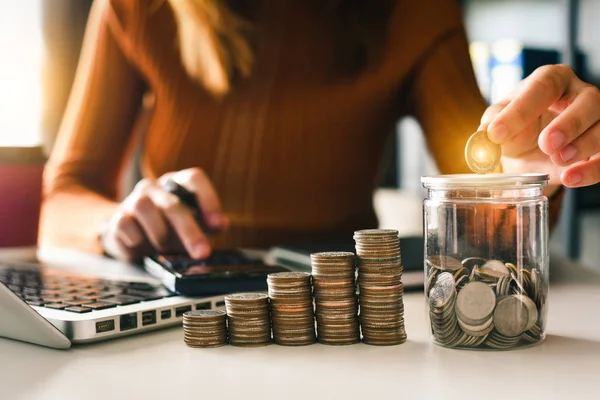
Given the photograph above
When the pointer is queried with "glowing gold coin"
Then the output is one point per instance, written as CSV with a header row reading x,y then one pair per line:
x,y
481,154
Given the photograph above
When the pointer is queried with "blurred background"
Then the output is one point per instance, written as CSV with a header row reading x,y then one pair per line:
x,y
40,42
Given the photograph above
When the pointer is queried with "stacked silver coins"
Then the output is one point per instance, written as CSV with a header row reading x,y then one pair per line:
x,y
336,304
380,286
292,310
479,303
249,320
205,328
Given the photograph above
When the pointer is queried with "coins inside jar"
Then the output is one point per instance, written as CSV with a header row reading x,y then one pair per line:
x,y
484,303
481,154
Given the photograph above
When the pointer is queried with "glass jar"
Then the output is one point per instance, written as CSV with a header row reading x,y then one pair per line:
x,y
486,259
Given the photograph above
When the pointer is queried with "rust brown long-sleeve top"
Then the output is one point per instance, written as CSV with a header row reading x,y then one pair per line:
x,y
293,154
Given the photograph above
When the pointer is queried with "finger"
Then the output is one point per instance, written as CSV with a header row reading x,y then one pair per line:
x,y
490,113
539,92
584,173
124,239
523,142
580,149
182,220
196,181
577,118
125,253
148,215
128,231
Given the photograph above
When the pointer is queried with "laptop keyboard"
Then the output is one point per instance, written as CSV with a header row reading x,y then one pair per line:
x,y
44,286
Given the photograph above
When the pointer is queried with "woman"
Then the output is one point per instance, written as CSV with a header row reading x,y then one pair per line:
x,y
276,113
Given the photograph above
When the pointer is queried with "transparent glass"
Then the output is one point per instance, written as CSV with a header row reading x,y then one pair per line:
x,y
486,260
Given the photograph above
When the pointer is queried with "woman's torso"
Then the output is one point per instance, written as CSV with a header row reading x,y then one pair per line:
x,y
293,153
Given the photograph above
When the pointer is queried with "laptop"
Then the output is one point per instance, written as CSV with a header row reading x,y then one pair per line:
x,y
55,307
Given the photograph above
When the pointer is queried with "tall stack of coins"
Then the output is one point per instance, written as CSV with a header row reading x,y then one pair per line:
x,y
205,328
380,286
292,308
249,321
336,305
484,303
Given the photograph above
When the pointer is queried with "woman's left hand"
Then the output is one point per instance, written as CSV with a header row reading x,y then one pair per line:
x,y
549,124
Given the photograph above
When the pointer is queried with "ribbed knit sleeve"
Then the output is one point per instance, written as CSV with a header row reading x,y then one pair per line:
x,y
81,177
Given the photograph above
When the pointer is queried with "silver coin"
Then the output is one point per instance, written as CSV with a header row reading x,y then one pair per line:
x,y
511,316
205,314
532,310
477,331
442,291
475,303
246,297
444,263
494,269
472,262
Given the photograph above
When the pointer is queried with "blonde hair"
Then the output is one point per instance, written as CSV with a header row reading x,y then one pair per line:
x,y
215,47
213,43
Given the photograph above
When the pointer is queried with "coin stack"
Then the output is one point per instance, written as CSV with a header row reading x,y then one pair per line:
x,y
336,304
249,321
292,308
495,304
380,286
205,328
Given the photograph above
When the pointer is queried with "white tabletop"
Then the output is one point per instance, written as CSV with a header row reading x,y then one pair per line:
x,y
159,365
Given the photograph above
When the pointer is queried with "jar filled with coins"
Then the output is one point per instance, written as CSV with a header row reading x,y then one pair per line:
x,y
486,259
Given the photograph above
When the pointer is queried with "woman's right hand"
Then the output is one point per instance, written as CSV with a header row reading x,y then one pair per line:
x,y
151,219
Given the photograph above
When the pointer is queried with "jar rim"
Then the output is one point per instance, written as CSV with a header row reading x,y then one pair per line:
x,y
483,180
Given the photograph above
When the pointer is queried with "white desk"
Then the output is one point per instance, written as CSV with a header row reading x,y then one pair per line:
x,y
159,365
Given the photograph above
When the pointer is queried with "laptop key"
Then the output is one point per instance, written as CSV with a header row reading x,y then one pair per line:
x,y
99,306
90,299
53,299
159,293
49,292
78,302
122,300
110,293
15,288
141,286
77,309
56,306
36,303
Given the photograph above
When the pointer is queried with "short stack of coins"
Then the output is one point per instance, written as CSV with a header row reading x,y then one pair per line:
x,y
480,303
336,304
205,328
380,286
248,319
292,310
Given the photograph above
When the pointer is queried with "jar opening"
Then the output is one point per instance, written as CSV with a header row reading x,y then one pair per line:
x,y
473,181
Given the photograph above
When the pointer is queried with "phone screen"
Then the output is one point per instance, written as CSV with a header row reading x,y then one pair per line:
x,y
220,264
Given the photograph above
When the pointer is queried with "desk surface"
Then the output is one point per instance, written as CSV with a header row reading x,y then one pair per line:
x,y
159,365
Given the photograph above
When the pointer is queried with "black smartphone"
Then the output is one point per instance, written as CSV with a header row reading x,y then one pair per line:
x,y
223,272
